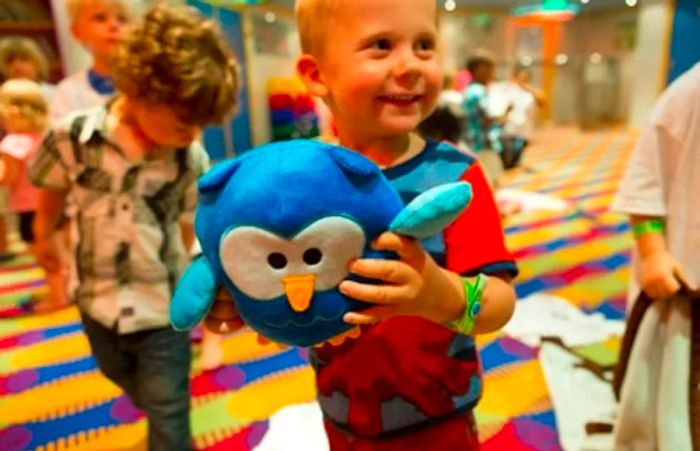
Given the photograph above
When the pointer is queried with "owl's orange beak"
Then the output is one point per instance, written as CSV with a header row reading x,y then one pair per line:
x,y
299,291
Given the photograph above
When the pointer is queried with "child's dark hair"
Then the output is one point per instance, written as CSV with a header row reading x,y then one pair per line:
x,y
474,62
175,57
442,125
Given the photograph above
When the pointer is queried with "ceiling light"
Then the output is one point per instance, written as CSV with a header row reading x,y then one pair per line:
x,y
561,59
596,58
450,5
270,17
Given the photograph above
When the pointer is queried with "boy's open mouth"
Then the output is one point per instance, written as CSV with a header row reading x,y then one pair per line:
x,y
400,100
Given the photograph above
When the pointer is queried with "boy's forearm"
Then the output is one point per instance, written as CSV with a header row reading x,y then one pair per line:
x,y
497,304
648,243
187,229
9,171
51,205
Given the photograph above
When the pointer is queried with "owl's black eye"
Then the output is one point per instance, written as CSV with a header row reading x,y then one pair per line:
x,y
312,256
277,260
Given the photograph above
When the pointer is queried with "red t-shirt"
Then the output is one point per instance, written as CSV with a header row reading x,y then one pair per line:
x,y
407,372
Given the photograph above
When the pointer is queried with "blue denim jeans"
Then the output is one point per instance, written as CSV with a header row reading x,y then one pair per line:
x,y
152,367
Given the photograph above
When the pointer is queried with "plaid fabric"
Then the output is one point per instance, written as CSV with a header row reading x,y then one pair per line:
x,y
480,135
128,245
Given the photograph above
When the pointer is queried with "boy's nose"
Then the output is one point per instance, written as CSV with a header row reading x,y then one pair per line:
x,y
114,24
407,64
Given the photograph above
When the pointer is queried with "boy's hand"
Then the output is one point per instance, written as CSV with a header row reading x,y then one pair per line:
x,y
415,284
223,317
47,254
662,276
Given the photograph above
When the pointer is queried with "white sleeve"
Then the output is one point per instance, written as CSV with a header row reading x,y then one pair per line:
x,y
60,104
655,162
645,183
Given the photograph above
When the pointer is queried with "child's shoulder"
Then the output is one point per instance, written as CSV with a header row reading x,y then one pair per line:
x,y
438,163
196,157
446,152
72,81
18,145
80,124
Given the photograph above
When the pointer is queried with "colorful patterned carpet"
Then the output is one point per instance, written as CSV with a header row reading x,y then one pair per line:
x,y
52,397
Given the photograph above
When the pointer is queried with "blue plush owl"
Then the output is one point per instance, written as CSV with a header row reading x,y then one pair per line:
x,y
278,227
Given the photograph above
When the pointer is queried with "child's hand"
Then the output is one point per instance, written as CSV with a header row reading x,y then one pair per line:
x,y
223,317
415,284
662,275
47,254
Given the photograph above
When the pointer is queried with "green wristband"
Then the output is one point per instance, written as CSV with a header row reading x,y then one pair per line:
x,y
473,292
650,226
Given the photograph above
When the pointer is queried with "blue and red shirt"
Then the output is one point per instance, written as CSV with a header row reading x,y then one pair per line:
x,y
407,372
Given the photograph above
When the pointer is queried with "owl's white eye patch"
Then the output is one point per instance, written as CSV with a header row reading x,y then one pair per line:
x,y
257,261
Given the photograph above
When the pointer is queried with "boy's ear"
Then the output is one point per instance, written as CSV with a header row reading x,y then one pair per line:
x,y
307,68
75,31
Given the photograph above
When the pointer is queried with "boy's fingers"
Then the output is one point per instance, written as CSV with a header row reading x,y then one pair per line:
x,y
223,317
370,316
50,263
219,326
223,309
408,249
663,288
683,278
390,271
359,319
375,294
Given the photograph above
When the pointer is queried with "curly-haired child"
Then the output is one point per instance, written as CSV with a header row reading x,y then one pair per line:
x,y
131,168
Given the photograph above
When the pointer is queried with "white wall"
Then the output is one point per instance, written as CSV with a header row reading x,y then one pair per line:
x,y
578,93
649,59
73,56
461,38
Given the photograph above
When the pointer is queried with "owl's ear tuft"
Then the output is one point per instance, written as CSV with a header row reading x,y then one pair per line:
x,y
217,177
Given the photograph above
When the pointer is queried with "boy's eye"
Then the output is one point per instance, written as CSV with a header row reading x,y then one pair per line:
x,y
382,44
426,45
99,17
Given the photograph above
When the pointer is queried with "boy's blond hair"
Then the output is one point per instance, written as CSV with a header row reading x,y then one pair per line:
x,y
18,47
314,19
27,98
176,58
75,6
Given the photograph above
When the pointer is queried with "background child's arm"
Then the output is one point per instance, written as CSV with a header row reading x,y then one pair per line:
x,y
661,275
10,169
417,286
51,206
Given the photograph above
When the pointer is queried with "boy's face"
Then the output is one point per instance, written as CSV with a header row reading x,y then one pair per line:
x,y
12,119
484,73
98,26
161,127
22,68
380,69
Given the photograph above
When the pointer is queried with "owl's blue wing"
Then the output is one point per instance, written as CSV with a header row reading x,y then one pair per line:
x,y
433,210
193,296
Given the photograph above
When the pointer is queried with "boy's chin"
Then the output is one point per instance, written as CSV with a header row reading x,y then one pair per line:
x,y
401,127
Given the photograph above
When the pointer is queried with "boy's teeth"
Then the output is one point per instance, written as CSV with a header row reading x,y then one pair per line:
x,y
400,97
